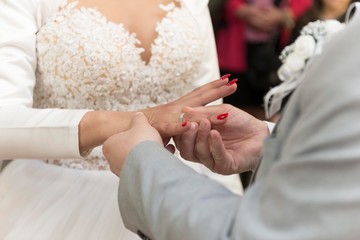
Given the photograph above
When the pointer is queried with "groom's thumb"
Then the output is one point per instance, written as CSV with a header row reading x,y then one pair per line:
x,y
139,119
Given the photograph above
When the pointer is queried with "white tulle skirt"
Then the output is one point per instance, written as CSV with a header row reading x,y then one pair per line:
x,y
39,201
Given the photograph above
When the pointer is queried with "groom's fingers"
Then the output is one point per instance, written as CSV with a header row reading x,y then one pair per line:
x,y
216,114
186,143
171,129
141,130
139,119
219,153
202,147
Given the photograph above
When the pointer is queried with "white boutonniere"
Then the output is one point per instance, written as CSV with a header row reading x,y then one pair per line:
x,y
295,59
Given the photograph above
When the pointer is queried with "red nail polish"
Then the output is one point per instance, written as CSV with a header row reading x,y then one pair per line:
x,y
222,116
232,82
225,76
184,124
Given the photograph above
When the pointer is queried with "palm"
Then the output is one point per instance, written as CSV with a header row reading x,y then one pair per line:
x,y
242,140
235,142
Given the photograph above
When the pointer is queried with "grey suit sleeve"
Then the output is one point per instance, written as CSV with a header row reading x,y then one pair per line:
x,y
165,199
308,183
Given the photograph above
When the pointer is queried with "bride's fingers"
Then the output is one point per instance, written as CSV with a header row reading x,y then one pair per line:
x,y
209,92
194,114
206,87
203,97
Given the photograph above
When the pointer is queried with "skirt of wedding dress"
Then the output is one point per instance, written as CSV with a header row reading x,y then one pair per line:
x,y
40,201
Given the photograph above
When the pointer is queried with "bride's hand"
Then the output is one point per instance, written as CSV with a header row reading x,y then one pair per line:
x,y
96,126
165,118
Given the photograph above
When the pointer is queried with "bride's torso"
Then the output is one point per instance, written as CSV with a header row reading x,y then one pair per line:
x,y
89,57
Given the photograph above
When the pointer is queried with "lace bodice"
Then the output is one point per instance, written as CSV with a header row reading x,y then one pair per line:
x,y
86,61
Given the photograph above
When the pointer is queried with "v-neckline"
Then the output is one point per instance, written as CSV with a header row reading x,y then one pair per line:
x,y
146,63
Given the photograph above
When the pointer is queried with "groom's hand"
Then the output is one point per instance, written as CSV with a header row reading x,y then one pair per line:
x,y
117,147
225,139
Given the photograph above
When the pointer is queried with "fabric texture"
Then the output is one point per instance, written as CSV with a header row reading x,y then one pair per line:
x,y
50,202
307,185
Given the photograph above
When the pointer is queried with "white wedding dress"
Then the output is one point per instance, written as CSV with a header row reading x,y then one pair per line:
x,y
85,61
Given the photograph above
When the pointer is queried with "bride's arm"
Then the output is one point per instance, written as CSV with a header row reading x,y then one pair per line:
x,y
27,132
39,133
97,126
51,133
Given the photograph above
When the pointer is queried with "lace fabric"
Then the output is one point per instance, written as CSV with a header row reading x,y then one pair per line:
x,y
86,61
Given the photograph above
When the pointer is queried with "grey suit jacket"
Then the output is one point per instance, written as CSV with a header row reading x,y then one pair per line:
x,y
308,183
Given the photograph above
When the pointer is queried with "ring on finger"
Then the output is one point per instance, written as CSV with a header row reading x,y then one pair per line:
x,y
181,117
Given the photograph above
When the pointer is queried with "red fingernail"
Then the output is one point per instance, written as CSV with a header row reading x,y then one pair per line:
x,y
232,82
225,76
222,116
184,124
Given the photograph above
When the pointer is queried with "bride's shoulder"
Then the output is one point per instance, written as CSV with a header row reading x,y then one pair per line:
x,y
47,8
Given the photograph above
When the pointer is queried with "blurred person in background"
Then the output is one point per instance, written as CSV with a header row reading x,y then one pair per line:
x,y
322,10
252,35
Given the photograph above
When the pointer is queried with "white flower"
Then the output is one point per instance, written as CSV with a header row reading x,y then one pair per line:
x,y
284,73
315,29
332,27
295,57
294,62
305,46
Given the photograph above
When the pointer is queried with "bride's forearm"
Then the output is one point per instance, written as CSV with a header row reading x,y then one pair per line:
x,y
96,126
